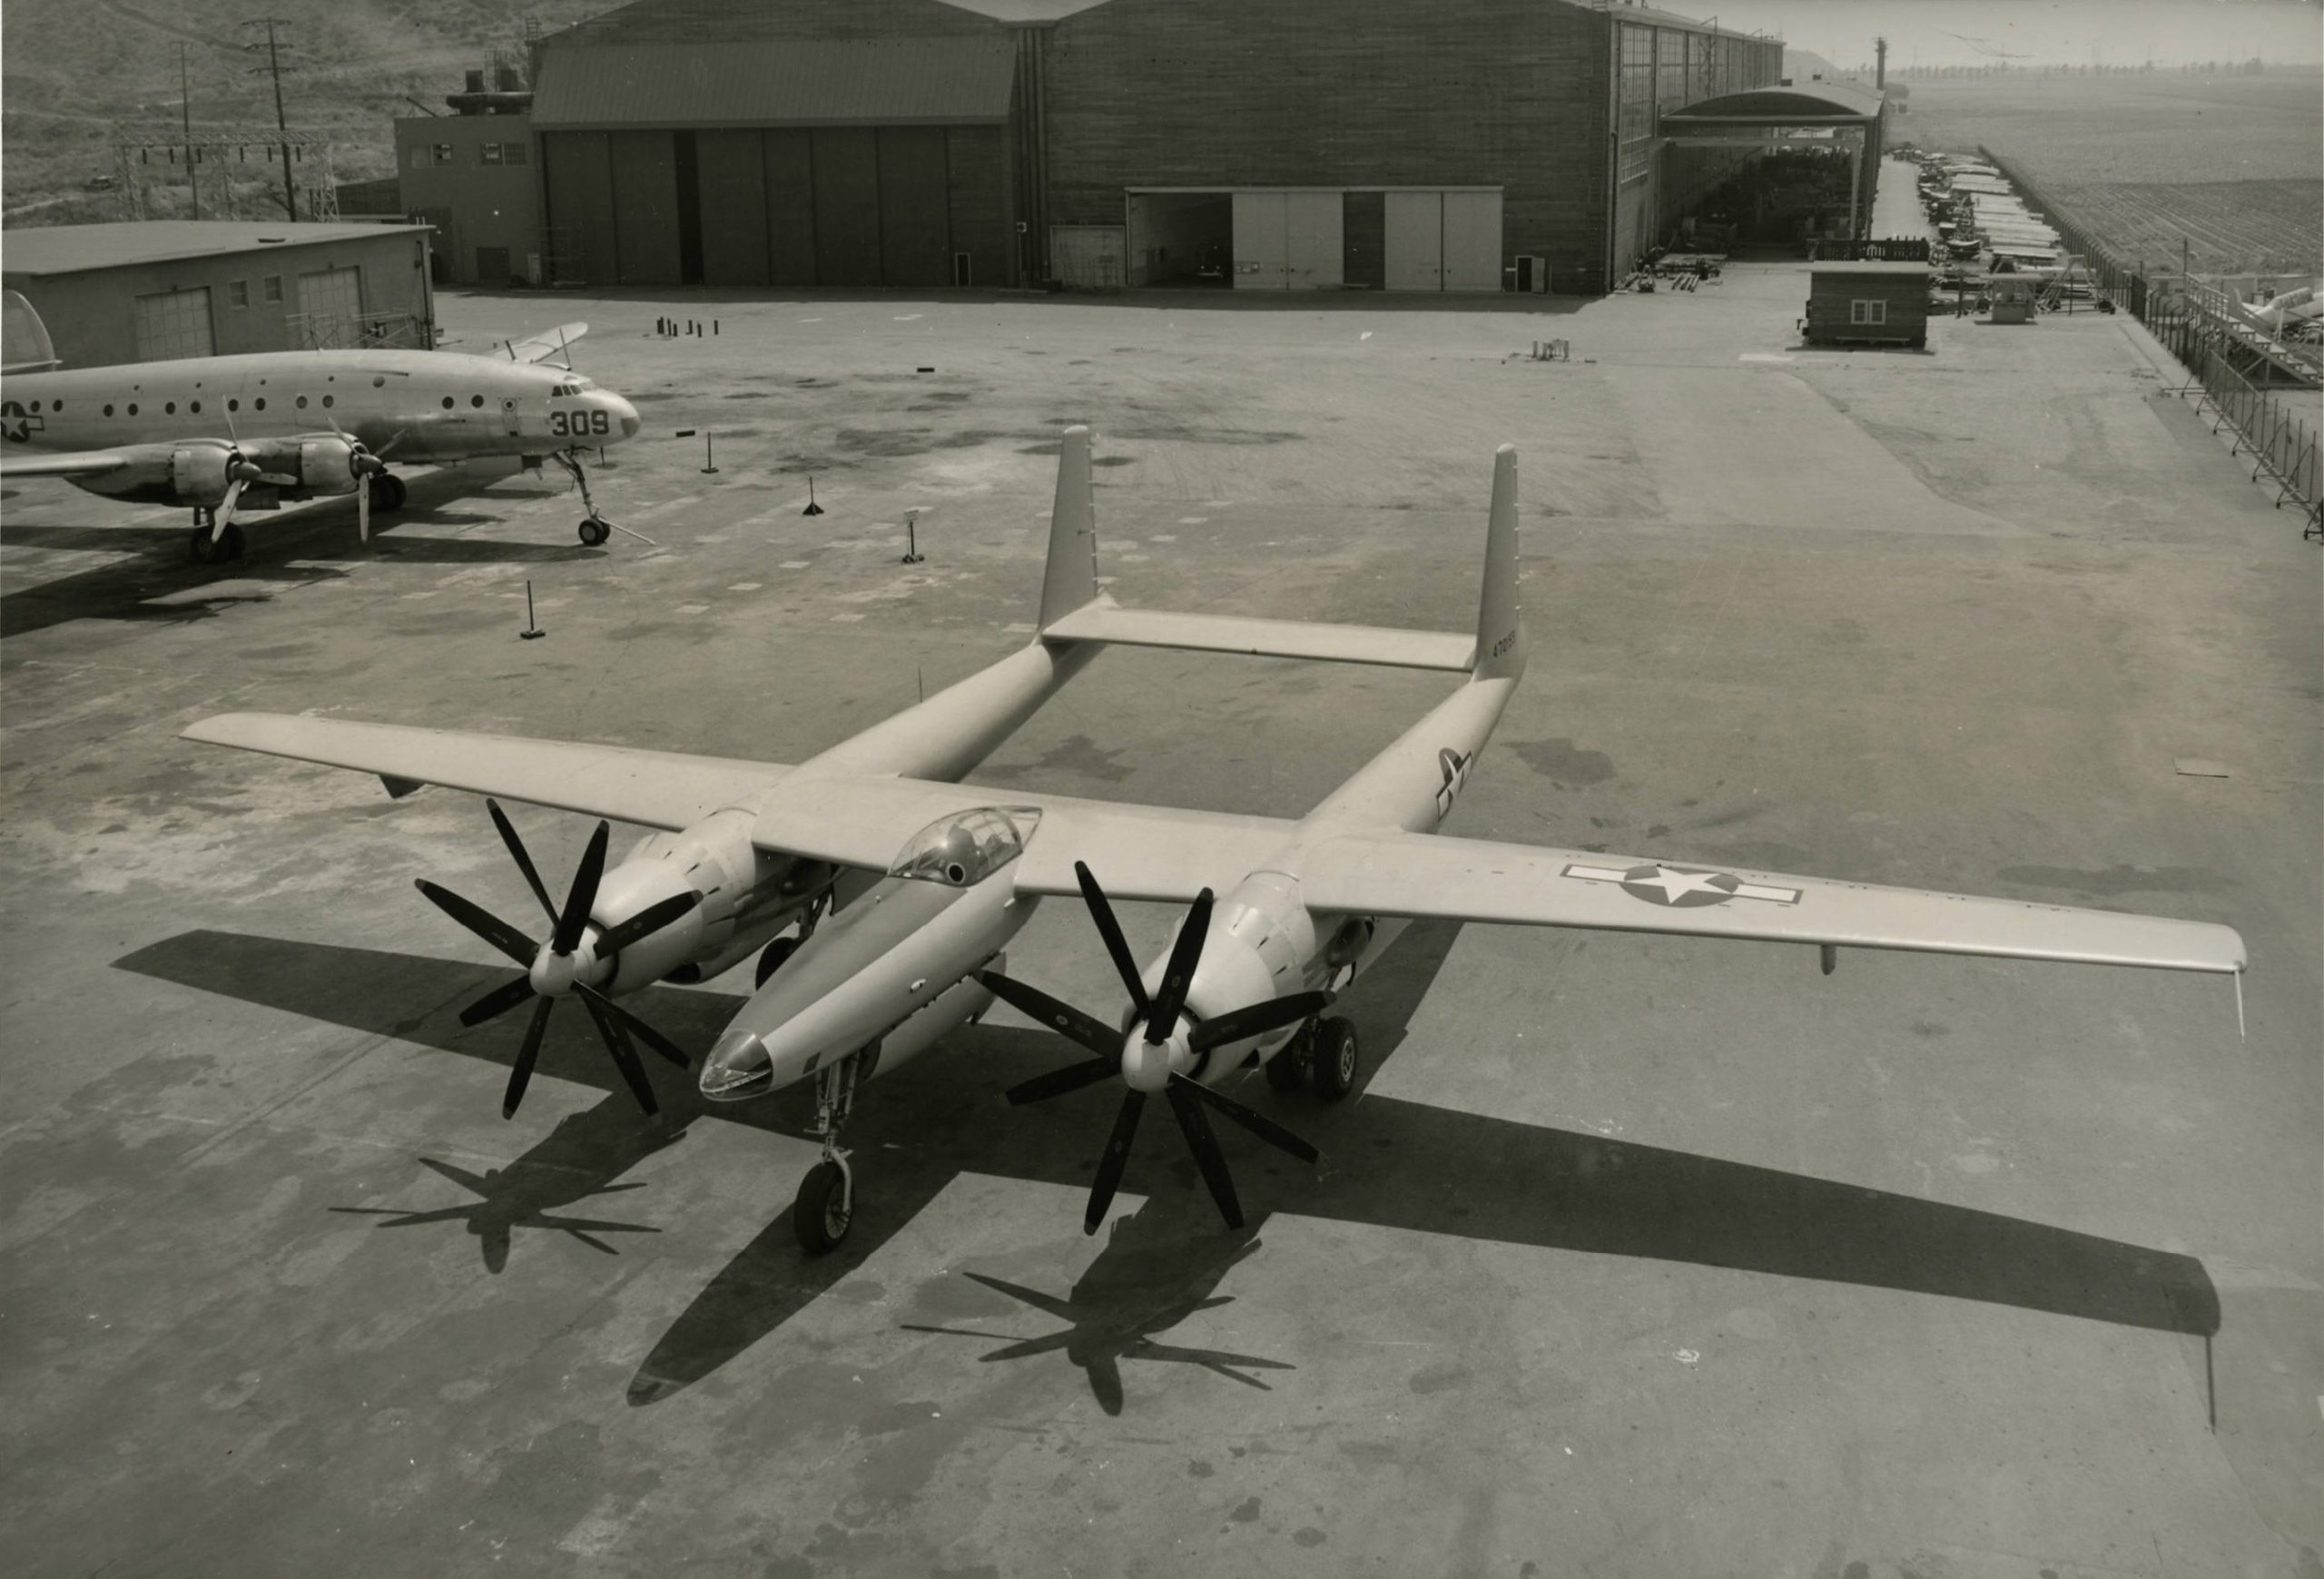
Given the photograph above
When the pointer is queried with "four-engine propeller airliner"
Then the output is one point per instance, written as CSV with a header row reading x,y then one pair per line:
x,y
227,433
904,888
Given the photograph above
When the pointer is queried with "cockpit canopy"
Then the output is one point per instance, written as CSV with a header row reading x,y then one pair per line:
x,y
966,847
574,385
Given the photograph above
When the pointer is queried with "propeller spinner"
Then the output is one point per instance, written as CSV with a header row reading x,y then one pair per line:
x,y
553,969
1151,1054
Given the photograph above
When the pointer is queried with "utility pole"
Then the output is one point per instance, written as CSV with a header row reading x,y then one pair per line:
x,y
274,65
185,124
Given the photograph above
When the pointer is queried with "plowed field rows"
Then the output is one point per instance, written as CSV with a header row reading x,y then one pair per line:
x,y
2231,227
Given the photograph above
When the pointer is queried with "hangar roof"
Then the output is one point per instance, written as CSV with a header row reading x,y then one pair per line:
x,y
1805,102
77,249
773,82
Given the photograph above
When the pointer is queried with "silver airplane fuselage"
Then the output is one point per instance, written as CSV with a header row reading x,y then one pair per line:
x,y
418,407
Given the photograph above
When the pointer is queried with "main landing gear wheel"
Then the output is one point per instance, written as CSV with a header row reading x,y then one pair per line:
x,y
388,491
229,545
595,530
822,1214
1334,1058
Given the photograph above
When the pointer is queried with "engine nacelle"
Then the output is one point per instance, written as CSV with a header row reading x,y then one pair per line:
x,y
199,474
328,466
746,894
1261,945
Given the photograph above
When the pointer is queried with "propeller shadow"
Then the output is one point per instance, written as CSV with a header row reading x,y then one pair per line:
x,y
578,1160
1388,1163
1158,1269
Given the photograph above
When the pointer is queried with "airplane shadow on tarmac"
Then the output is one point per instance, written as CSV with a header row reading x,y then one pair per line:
x,y
1388,1161
154,581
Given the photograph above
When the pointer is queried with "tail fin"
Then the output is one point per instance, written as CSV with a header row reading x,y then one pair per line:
x,y
1072,579
1501,625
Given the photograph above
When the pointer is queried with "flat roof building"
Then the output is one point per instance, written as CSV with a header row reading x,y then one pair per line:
x,y
154,290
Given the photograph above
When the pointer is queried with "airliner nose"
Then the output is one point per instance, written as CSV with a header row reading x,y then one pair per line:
x,y
626,412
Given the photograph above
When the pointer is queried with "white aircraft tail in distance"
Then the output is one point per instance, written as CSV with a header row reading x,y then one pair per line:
x,y
224,434
914,885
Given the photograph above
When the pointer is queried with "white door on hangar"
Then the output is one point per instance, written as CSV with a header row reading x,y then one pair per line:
x,y
1416,227
1315,240
332,302
1472,241
1262,241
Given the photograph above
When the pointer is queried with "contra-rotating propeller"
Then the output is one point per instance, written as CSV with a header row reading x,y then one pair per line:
x,y
551,970
1142,1053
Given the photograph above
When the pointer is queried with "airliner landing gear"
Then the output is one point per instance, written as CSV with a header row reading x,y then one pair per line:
x,y
388,491
228,544
776,954
595,528
825,1207
1323,1051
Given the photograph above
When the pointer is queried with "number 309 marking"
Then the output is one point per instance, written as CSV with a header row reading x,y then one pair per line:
x,y
577,424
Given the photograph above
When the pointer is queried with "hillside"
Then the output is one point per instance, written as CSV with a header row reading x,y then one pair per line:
x,y
79,71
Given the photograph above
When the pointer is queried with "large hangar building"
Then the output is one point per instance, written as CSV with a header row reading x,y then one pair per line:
x,y
1264,145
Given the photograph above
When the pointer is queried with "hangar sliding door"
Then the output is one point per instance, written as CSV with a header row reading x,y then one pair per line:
x,y
1262,241
645,206
789,157
915,243
331,303
732,177
1416,240
174,323
847,205
580,184
1313,239
1472,241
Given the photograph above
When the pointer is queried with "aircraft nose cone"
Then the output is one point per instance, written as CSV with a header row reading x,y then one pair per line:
x,y
739,1066
627,414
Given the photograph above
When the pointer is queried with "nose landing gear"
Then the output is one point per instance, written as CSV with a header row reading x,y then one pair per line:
x,y
595,528
825,1207
1326,1053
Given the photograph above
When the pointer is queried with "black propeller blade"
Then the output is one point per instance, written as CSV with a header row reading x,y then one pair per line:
x,y
1116,1158
616,1025
1187,1097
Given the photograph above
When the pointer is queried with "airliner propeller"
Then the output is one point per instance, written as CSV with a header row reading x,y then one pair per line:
x,y
1142,1053
553,969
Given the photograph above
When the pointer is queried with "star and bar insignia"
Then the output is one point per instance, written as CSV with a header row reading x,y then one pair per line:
x,y
1681,887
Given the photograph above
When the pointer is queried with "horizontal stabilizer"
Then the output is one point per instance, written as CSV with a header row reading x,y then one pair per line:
x,y
1266,638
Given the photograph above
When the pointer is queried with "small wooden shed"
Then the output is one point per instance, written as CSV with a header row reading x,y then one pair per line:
x,y
1867,303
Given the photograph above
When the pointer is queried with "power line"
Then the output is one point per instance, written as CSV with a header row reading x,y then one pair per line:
x,y
274,65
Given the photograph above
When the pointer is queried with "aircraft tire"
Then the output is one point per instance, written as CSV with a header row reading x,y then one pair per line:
x,y
388,491
1335,1060
820,1215
771,958
231,542
198,546
594,531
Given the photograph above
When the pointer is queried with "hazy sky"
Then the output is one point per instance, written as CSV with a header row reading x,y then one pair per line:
x,y
1962,32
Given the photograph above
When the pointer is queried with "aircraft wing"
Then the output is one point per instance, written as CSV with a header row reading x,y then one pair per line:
x,y
1420,875
655,789
78,463
547,343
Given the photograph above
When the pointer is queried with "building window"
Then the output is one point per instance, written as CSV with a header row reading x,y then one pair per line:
x,y
238,294
490,151
443,153
418,159
1871,312
514,153
272,288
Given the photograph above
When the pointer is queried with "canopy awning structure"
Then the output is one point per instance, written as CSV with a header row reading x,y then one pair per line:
x,y
890,81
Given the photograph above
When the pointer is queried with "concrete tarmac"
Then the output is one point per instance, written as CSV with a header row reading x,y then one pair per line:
x,y
1643,1257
